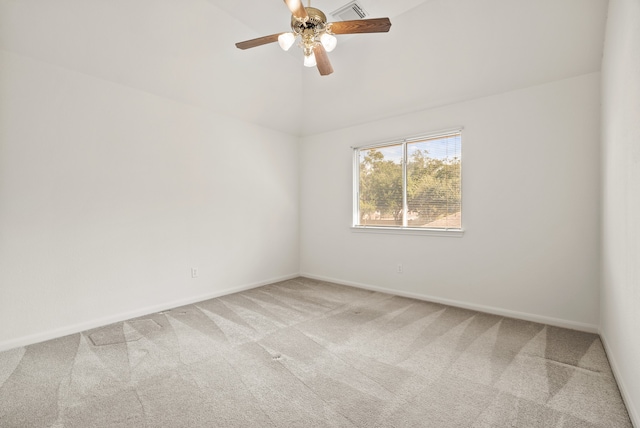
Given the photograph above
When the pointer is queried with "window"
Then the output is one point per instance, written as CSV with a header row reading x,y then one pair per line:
x,y
409,184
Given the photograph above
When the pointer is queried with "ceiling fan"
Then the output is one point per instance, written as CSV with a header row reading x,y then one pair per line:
x,y
316,34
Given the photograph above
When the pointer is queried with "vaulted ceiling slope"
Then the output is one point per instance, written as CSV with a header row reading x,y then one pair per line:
x,y
177,49
437,52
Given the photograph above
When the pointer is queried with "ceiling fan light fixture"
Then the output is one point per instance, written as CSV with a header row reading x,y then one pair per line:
x,y
310,60
286,40
328,41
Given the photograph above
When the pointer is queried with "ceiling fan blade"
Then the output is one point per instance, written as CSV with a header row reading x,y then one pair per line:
x,y
297,9
322,60
258,42
376,25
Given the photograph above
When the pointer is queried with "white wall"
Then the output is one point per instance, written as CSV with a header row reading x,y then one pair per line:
x,y
530,208
109,195
620,295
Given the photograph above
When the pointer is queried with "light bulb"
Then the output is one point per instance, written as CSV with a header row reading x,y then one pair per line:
x,y
310,60
328,41
286,40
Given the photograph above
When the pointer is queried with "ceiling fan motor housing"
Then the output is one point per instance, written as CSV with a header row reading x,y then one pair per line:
x,y
317,22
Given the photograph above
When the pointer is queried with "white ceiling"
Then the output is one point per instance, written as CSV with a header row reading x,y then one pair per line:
x,y
437,52
272,16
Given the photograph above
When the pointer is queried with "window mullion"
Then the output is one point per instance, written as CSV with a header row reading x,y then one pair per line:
x,y
356,186
405,212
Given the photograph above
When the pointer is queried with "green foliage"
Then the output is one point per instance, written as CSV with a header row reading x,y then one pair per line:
x,y
433,187
380,186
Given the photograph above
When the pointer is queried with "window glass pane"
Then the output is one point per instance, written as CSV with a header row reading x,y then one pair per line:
x,y
380,187
433,183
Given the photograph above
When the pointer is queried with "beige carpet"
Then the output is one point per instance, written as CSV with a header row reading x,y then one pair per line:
x,y
305,353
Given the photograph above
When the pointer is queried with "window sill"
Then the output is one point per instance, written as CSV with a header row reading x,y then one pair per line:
x,y
456,233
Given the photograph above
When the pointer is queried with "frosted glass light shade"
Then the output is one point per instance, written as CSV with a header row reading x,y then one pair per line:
x,y
310,60
328,41
286,40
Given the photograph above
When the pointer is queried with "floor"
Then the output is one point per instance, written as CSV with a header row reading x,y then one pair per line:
x,y
306,353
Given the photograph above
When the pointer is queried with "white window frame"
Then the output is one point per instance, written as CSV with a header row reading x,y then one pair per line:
x,y
404,229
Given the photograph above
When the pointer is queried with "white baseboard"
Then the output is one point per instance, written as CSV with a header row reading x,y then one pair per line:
x,y
101,322
573,325
634,414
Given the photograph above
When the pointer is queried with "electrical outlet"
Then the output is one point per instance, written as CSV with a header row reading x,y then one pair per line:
x,y
399,268
194,272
